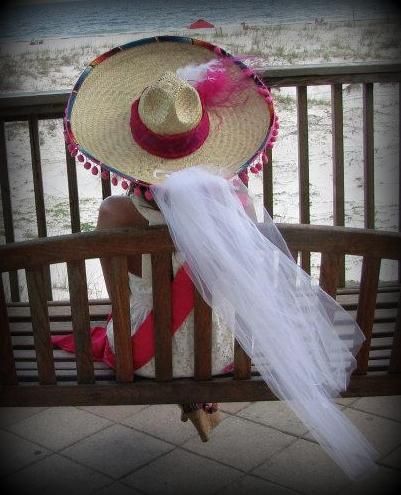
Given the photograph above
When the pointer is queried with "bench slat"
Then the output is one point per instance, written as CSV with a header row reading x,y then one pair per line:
x,y
7,366
202,338
64,375
21,342
128,242
24,328
329,273
121,318
395,359
64,302
68,373
36,279
60,365
25,343
58,313
40,208
151,392
30,355
242,363
161,286
80,320
385,300
366,307
380,315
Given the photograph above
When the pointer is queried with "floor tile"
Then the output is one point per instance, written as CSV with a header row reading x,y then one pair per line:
x,y
163,422
117,488
54,475
11,415
346,401
384,434
180,472
275,414
247,439
384,482
255,486
58,427
389,407
16,453
114,413
240,443
305,467
233,407
393,459
117,450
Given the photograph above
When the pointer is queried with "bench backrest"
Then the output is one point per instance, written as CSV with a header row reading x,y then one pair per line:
x,y
35,256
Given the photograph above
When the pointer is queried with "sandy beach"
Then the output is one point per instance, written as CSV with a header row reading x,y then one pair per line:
x,y
54,64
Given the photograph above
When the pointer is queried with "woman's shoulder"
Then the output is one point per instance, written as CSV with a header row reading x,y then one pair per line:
x,y
118,211
146,210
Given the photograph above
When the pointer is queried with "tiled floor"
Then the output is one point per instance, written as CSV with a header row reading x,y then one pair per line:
x,y
259,448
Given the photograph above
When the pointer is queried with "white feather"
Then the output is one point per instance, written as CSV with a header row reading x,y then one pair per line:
x,y
195,73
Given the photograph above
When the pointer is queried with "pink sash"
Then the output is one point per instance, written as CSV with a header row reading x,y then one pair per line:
x,y
182,294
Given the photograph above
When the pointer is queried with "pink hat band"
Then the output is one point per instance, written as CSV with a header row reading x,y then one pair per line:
x,y
168,145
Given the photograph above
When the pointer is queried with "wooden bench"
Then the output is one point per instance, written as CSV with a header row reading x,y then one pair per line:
x,y
35,374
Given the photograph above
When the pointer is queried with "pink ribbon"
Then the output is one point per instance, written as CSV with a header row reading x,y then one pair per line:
x,y
143,349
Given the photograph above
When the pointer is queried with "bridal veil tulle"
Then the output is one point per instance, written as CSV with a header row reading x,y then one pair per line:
x,y
302,342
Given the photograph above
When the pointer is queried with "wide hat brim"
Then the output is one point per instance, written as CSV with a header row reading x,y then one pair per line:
x,y
97,117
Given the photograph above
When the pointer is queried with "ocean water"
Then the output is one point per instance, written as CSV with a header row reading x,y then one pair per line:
x,y
38,19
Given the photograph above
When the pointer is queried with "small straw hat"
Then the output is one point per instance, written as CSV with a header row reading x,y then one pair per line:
x,y
151,107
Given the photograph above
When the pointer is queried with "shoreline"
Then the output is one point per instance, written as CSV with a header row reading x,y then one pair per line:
x,y
185,31
56,62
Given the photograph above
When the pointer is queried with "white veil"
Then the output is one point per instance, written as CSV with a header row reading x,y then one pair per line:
x,y
301,341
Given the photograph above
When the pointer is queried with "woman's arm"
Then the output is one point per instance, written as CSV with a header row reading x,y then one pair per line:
x,y
119,211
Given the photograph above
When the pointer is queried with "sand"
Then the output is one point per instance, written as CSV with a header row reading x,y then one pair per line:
x,y
55,64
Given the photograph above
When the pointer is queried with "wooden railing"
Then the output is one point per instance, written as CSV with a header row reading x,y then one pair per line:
x,y
335,76
35,107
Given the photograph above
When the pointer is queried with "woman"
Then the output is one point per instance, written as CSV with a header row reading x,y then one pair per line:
x,y
175,120
131,211
194,98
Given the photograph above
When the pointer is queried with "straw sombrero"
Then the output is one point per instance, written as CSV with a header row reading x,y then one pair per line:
x,y
136,113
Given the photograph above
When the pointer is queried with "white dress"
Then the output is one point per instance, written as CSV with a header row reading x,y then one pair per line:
x,y
183,340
